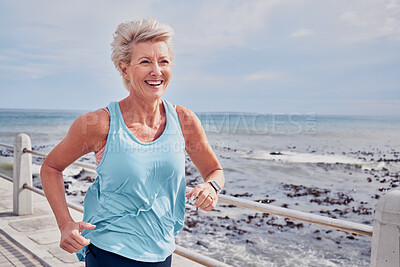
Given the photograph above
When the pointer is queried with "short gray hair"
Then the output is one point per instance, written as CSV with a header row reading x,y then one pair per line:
x,y
136,31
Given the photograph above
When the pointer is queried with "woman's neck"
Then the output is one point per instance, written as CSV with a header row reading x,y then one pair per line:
x,y
145,112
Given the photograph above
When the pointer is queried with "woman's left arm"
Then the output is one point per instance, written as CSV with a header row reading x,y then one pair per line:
x,y
203,157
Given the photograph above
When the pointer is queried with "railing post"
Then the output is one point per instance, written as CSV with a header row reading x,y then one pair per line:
x,y
386,231
22,174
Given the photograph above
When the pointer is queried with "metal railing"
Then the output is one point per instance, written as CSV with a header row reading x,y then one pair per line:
x,y
342,225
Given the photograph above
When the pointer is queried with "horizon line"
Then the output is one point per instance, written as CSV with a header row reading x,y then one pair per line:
x,y
211,112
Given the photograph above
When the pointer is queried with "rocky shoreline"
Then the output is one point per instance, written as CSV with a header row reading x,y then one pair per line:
x,y
323,201
240,226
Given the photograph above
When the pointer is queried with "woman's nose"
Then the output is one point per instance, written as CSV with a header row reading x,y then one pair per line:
x,y
156,70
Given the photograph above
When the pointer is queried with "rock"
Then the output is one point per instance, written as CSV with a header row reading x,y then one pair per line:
x,y
275,153
201,243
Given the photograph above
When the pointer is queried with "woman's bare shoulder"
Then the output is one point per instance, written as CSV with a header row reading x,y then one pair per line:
x,y
185,115
90,129
88,133
95,123
190,123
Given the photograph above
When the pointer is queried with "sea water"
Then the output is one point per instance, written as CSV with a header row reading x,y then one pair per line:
x,y
336,166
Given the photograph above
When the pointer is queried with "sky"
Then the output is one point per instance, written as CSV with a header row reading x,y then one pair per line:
x,y
336,57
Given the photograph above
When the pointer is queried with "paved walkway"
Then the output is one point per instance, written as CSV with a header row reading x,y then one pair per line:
x,y
32,240
13,255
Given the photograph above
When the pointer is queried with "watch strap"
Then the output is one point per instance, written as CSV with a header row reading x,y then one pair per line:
x,y
215,185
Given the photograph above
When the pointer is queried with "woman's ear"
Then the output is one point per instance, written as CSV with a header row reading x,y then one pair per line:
x,y
123,66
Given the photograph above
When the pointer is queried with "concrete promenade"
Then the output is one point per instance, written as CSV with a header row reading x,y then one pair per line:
x,y
33,240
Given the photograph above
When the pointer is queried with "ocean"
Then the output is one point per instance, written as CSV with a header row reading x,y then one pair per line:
x,y
336,166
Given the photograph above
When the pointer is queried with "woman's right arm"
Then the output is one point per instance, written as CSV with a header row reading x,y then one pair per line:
x,y
88,133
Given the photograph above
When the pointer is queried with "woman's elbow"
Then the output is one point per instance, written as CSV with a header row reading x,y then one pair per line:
x,y
48,169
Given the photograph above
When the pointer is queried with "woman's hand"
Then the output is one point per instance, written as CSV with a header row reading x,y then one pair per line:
x,y
206,196
71,238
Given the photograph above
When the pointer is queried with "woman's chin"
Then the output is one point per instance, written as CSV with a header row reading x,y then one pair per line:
x,y
149,94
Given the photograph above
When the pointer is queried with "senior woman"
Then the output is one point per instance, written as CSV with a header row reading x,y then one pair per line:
x,y
136,205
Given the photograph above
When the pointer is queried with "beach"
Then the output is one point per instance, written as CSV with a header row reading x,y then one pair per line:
x,y
336,166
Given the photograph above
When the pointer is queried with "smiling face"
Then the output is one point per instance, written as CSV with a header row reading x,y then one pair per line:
x,y
149,71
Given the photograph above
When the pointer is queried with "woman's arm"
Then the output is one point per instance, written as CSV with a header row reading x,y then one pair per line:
x,y
203,157
87,133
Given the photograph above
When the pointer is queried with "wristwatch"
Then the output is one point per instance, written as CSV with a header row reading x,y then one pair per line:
x,y
215,185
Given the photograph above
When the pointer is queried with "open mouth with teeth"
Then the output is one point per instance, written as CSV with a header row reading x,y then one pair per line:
x,y
154,83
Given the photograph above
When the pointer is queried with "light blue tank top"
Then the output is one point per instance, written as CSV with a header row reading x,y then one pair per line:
x,y
137,202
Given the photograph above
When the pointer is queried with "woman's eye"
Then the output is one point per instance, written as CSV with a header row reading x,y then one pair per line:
x,y
144,62
165,62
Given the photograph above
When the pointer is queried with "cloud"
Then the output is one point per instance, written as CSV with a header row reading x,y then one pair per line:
x,y
352,18
201,77
35,56
5,58
265,75
302,33
222,24
33,63
30,72
392,4
375,20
